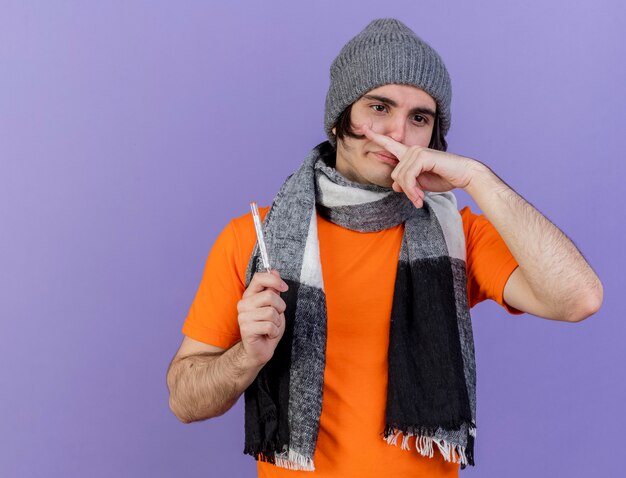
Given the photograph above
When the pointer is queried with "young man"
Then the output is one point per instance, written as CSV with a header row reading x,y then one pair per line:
x,y
356,353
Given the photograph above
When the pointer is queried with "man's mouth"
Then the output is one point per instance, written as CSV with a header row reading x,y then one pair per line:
x,y
386,157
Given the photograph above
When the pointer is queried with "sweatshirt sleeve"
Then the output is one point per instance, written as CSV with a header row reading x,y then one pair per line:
x,y
213,317
489,261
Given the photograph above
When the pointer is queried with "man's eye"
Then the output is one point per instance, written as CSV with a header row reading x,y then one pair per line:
x,y
419,119
376,108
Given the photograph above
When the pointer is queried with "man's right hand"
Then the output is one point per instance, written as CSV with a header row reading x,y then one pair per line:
x,y
261,316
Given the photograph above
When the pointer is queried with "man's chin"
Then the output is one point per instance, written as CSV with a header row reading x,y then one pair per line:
x,y
383,182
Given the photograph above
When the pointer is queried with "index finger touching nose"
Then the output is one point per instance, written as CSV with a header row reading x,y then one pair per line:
x,y
394,147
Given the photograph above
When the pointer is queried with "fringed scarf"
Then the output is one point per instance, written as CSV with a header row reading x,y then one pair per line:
x,y
431,391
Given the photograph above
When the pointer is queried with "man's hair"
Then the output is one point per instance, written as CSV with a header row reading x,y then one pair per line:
x,y
344,128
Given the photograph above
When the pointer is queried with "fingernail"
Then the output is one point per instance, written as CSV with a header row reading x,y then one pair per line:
x,y
285,286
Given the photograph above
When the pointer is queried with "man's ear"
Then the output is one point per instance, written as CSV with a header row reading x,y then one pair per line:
x,y
334,131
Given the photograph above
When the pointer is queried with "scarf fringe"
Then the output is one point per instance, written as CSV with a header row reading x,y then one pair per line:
x,y
293,460
451,452
290,460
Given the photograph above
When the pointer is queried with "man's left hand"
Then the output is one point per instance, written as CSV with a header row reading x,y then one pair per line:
x,y
423,169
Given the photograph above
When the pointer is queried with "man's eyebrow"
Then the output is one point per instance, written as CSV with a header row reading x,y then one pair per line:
x,y
388,101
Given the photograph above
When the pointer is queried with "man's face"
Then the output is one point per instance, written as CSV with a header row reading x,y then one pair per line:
x,y
402,112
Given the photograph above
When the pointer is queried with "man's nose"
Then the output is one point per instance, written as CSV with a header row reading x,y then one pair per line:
x,y
396,129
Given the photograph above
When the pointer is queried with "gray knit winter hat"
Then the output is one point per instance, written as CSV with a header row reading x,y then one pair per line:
x,y
386,51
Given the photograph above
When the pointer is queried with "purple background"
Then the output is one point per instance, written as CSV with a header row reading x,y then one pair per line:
x,y
131,133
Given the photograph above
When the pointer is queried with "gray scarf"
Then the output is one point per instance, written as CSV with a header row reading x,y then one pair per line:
x,y
430,339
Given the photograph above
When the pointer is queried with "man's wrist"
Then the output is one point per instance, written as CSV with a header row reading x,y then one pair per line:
x,y
481,177
244,363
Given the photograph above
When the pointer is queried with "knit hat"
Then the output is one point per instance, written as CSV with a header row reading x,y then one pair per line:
x,y
386,51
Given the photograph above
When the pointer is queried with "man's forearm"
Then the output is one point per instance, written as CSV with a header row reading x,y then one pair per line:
x,y
555,270
207,385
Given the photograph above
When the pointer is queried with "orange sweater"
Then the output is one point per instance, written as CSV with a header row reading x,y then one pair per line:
x,y
359,273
